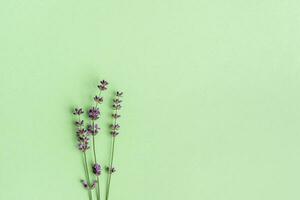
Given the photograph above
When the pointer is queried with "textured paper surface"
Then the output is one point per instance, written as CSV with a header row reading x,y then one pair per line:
x,y
211,106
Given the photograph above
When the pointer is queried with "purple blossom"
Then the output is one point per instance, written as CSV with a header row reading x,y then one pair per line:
x,y
117,101
85,184
81,133
119,94
79,123
103,85
114,133
117,106
97,169
78,111
94,184
93,131
98,99
83,139
111,170
115,127
83,146
115,116
94,113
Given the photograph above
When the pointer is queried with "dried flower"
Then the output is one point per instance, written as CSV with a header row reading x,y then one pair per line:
x,y
117,101
94,113
119,94
114,133
97,169
115,127
83,146
84,133
115,116
103,85
111,170
81,133
104,82
94,184
98,99
93,130
79,123
78,111
83,139
117,106
85,184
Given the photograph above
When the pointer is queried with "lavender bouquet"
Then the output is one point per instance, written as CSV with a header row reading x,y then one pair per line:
x,y
86,134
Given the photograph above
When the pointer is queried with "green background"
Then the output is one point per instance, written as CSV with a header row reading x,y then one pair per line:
x,y
211,105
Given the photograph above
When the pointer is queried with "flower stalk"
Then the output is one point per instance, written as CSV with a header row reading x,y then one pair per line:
x,y
94,114
83,146
114,132
90,131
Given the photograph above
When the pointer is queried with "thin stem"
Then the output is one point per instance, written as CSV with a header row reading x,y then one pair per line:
x,y
98,187
95,157
94,146
88,176
111,160
110,167
95,161
99,95
86,167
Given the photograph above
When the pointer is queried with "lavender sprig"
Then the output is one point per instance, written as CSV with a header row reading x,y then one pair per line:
x,y
114,132
94,114
83,146
85,133
89,186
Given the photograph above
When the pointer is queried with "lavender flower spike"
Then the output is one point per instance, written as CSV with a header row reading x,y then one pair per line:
x,y
97,169
93,186
94,113
103,85
78,111
114,132
93,130
85,184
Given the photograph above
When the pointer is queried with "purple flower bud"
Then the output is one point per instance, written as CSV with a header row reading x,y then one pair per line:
x,y
94,184
119,94
115,116
103,82
117,101
110,170
114,133
79,123
83,140
85,184
78,111
81,133
97,169
94,113
117,106
103,85
93,131
83,147
98,99
115,127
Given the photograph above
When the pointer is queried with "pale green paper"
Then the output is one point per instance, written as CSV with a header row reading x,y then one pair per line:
x,y
211,97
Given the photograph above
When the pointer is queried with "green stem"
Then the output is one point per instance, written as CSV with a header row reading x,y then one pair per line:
x,y
86,169
95,157
98,187
88,176
95,160
110,166
111,160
